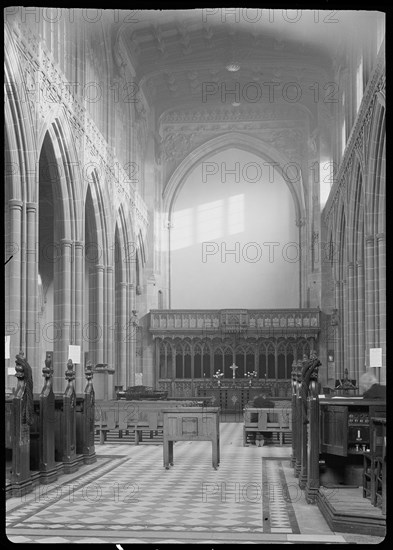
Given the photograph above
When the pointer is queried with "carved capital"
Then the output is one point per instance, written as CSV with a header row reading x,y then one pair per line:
x,y
31,207
300,222
369,239
79,245
15,204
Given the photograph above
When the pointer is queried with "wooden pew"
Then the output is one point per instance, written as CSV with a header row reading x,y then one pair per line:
x,y
46,435
65,425
274,420
47,465
85,417
132,415
19,417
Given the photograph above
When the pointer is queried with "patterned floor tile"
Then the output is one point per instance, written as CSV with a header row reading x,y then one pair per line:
x,y
128,491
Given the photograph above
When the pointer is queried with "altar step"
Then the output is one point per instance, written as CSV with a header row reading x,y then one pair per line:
x,y
346,511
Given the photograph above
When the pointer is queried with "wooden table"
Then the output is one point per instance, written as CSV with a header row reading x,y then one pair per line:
x,y
191,424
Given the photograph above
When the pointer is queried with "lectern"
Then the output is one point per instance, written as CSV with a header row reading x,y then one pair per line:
x,y
191,424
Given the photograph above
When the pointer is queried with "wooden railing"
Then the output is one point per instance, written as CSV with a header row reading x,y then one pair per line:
x,y
256,321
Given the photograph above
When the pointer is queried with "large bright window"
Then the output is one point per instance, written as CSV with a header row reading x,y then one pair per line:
x,y
233,236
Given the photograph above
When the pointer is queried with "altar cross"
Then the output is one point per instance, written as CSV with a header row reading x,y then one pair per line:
x,y
233,367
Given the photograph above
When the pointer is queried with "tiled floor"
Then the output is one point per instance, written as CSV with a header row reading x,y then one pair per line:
x,y
127,496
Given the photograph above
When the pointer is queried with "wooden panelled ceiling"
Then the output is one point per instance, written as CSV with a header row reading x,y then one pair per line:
x,y
175,53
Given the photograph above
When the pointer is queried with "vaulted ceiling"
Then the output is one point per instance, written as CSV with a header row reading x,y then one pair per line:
x,y
176,56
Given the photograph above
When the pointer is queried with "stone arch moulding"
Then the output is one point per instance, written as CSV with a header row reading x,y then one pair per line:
x,y
355,187
99,214
19,125
260,149
128,245
341,238
375,182
68,165
221,143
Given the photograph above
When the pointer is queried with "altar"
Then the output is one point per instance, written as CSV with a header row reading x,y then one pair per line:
x,y
232,397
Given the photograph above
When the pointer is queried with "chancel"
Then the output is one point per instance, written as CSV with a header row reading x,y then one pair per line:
x,y
195,275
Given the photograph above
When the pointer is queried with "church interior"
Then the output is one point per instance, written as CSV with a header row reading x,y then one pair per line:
x,y
195,276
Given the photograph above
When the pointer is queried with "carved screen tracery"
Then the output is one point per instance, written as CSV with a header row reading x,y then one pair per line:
x,y
199,359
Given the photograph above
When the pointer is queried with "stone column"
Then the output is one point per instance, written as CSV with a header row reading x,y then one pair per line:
x,y
360,326
369,295
33,335
62,317
382,301
338,334
351,322
130,336
99,308
302,235
122,334
77,334
345,324
110,321
109,328
13,275
156,342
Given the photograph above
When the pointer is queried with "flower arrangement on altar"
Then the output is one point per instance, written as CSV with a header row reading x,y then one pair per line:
x,y
218,375
250,376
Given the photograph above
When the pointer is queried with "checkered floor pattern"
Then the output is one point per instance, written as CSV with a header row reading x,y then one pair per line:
x,y
128,496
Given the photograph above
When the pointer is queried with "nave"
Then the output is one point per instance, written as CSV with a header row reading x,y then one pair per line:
x,y
127,497
194,212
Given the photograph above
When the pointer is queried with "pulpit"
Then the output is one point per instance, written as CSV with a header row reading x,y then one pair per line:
x,y
103,381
